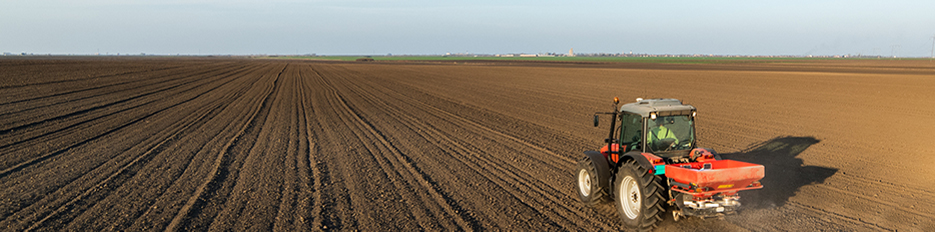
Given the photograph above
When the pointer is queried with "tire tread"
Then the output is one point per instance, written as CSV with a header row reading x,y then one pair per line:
x,y
653,203
599,194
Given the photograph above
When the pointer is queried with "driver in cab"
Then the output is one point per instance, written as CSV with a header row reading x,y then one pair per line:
x,y
659,134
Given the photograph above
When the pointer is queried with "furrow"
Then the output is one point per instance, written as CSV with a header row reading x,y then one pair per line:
x,y
135,91
531,192
263,182
333,169
400,175
847,218
393,159
127,170
561,161
212,176
214,208
520,178
294,187
398,165
81,124
95,90
86,78
102,167
311,173
186,164
181,156
309,183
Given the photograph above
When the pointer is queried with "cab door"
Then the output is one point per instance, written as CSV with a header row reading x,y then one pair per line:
x,y
631,128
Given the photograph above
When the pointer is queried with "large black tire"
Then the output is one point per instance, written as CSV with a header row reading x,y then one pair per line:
x,y
588,184
639,196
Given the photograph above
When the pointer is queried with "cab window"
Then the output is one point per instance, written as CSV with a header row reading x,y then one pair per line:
x,y
630,127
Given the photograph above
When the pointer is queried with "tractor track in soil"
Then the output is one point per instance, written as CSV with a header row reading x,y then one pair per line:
x,y
287,145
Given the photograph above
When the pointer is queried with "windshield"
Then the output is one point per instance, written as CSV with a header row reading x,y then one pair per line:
x,y
670,133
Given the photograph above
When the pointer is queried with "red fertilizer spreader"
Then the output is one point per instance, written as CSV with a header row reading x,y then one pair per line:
x,y
709,188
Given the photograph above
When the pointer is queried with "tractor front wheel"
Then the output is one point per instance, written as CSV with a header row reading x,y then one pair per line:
x,y
589,188
639,196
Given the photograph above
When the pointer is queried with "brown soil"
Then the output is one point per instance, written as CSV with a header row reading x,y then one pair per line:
x,y
179,144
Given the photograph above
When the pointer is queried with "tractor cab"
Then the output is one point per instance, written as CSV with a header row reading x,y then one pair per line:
x,y
663,127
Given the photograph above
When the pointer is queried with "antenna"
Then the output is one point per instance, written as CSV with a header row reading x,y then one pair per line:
x,y
933,47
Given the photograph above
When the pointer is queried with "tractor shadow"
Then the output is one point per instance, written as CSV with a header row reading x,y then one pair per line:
x,y
785,173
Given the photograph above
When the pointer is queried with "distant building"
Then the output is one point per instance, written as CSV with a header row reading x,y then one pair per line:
x,y
571,52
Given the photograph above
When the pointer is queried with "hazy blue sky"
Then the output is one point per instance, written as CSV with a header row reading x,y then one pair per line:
x,y
751,27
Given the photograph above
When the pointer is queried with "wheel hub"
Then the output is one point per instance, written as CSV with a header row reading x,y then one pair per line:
x,y
584,182
632,197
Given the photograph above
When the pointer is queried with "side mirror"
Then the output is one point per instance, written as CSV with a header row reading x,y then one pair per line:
x,y
596,120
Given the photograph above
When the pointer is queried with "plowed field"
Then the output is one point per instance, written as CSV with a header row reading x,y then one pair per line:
x,y
216,144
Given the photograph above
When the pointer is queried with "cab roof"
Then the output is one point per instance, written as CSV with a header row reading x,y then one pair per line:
x,y
662,107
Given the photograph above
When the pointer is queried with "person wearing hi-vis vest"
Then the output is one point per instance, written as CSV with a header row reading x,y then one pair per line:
x,y
659,134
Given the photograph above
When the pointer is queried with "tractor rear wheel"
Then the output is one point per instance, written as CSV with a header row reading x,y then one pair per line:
x,y
639,196
589,188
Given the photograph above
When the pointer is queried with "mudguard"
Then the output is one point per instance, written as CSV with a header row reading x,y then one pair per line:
x,y
603,169
640,159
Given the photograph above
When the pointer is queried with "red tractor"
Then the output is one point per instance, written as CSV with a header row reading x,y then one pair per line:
x,y
652,164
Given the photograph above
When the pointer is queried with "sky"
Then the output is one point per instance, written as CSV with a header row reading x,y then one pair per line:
x,y
380,27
